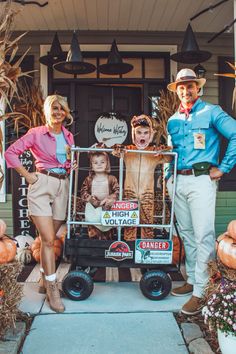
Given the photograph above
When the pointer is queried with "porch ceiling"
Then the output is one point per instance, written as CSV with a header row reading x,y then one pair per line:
x,y
123,15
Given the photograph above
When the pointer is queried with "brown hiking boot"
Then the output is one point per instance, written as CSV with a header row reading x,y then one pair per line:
x,y
193,306
53,296
183,290
42,285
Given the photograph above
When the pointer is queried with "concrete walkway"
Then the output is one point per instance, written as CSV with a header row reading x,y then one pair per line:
x,y
103,333
106,297
115,319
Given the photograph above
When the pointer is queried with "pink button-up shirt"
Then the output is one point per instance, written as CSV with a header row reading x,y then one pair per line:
x,y
42,145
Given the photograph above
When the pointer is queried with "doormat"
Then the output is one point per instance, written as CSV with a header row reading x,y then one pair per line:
x,y
26,270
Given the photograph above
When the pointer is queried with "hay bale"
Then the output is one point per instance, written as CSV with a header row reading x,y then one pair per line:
x,y
10,295
217,270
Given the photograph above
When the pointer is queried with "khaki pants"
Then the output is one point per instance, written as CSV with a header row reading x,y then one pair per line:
x,y
195,212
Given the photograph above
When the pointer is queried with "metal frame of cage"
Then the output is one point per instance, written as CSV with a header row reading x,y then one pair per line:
x,y
75,154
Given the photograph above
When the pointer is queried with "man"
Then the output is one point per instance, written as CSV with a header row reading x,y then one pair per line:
x,y
195,131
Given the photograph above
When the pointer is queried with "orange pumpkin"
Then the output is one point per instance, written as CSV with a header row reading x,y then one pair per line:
x,y
7,249
226,250
231,229
176,250
36,246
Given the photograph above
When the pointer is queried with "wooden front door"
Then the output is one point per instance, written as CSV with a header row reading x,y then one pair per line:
x,y
91,102
88,102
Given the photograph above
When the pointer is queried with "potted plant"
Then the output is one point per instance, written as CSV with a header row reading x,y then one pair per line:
x,y
220,313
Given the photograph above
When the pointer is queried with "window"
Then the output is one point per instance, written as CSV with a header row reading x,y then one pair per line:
x,y
146,66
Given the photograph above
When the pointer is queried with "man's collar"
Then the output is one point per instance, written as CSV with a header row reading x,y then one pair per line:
x,y
189,109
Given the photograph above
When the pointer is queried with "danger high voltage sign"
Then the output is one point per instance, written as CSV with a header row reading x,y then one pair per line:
x,y
122,213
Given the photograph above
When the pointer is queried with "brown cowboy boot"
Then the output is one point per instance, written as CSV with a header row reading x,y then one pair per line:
x,y
53,296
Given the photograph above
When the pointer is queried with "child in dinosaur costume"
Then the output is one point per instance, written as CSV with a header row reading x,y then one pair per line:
x,y
139,177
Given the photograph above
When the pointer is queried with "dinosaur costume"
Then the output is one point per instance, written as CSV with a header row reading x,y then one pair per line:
x,y
139,178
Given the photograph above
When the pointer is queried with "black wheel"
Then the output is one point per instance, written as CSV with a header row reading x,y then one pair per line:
x,y
144,270
155,284
77,285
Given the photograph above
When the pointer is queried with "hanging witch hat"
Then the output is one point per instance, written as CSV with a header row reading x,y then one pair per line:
x,y
115,65
55,54
190,52
74,63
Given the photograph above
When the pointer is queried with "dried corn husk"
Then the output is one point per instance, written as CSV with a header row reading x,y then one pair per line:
x,y
10,70
233,76
167,105
27,109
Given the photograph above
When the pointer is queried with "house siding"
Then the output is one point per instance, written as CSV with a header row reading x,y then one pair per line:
x,y
6,214
225,210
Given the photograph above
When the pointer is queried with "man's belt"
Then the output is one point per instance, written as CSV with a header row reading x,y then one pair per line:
x,y
185,172
199,169
53,174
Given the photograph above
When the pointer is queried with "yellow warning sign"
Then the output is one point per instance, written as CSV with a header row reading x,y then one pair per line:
x,y
134,215
121,215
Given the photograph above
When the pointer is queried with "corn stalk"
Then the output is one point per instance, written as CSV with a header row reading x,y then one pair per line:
x,y
10,70
167,105
27,108
233,76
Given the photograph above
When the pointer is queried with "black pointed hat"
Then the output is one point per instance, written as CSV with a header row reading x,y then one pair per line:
x,y
74,63
55,54
190,52
115,65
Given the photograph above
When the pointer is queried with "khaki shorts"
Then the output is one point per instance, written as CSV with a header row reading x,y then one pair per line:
x,y
48,196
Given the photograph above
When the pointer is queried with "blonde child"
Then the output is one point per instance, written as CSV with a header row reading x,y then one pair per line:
x,y
99,190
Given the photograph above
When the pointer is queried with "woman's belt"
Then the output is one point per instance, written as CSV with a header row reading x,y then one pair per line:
x,y
53,174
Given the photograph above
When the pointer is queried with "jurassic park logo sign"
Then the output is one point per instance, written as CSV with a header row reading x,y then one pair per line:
x,y
119,251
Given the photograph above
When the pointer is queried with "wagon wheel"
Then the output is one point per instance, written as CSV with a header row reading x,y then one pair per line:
x,y
90,270
144,270
77,285
155,284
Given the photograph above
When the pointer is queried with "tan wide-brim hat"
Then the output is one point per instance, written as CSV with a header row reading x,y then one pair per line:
x,y
185,75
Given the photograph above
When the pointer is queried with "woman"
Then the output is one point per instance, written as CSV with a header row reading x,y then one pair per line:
x,y
49,185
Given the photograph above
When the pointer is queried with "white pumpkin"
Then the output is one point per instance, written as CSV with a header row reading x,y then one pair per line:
x,y
24,255
24,241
